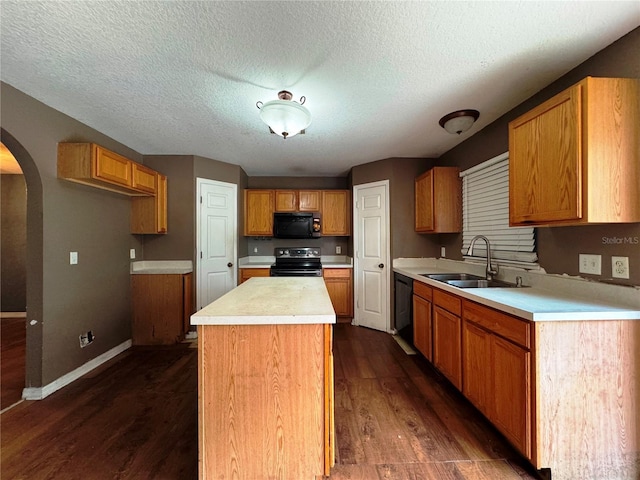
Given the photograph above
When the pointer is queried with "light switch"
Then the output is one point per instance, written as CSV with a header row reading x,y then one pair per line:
x,y
73,258
132,253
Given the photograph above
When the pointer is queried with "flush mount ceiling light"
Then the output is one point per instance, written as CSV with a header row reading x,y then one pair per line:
x,y
284,116
460,121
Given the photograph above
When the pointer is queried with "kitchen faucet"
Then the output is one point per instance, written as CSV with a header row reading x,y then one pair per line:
x,y
490,269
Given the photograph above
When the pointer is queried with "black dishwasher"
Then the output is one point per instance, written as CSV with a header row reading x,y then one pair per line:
x,y
404,306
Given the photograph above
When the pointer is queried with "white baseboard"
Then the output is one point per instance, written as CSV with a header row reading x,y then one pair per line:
x,y
38,393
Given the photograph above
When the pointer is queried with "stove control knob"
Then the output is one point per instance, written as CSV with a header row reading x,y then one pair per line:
x,y
286,252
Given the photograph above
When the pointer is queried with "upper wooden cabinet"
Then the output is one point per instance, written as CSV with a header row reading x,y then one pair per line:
x,y
258,212
149,214
96,166
298,200
575,159
438,201
336,213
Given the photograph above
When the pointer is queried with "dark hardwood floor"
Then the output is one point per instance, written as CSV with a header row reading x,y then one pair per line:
x,y
12,352
136,418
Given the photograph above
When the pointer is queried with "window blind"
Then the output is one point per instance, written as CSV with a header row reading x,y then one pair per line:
x,y
485,211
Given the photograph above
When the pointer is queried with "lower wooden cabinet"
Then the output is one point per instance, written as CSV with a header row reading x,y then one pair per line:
x,y
247,273
447,336
162,306
497,371
339,284
422,324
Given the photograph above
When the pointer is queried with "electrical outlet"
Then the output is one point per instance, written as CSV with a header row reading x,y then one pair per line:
x,y
132,253
443,252
338,249
590,264
86,338
73,258
620,267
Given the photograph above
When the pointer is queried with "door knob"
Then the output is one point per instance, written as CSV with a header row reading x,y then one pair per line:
x,y
381,265
229,264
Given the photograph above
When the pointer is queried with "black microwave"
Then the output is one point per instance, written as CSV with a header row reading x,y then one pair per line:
x,y
297,225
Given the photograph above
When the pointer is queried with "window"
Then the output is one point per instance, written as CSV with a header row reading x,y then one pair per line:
x,y
485,211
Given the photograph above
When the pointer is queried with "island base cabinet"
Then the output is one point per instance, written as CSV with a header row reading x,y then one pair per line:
x,y
588,399
265,401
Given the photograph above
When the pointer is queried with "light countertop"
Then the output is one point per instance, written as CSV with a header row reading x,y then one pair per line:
x,y
161,267
269,301
552,301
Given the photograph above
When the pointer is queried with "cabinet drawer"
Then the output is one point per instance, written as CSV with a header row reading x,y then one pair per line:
x,y
511,328
422,290
447,301
336,272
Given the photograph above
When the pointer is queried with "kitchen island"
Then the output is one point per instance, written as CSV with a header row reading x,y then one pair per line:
x,y
265,381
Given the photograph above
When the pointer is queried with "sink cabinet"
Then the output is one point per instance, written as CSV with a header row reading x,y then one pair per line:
x,y
422,322
447,336
438,201
575,159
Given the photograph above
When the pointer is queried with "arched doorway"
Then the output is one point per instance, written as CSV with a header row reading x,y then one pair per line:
x,y
34,259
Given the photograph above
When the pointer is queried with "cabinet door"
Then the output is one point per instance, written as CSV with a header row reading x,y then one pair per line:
x,y
511,402
422,326
161,205
247,273
158,309
187,303
339,286
258,212
309,200
447,345
424,202
286,200
112,167
545,172
476,369
149,214
336,213
143,178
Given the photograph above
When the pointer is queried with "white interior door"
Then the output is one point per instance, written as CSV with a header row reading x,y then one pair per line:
x,y
372,268
216,244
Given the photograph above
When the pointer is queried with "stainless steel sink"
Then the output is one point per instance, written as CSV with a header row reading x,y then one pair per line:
x,y
482,283
467,280
444,277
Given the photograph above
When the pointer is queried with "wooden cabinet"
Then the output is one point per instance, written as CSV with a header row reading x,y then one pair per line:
x,y
333,205
161,308
267,391
286,200
258,212
339,284
447,336
336,213
247,273
575,158
497,371
422,325
309,200
298,200
438,201
149,214
93,165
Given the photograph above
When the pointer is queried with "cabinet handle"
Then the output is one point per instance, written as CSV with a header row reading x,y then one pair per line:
x,y
229,264
381,265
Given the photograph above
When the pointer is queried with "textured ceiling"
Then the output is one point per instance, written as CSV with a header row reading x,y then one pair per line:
x,y
183,77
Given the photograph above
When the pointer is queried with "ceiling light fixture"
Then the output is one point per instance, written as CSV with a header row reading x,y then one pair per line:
x,y
460,121
284,116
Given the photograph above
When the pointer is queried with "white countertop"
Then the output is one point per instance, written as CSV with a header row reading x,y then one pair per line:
x,y
161,267
535,303
269,301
